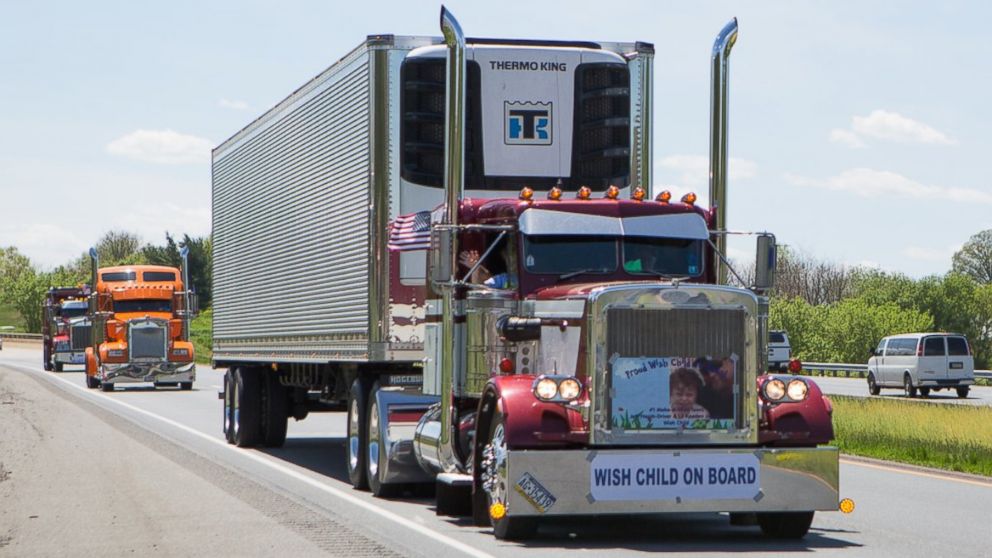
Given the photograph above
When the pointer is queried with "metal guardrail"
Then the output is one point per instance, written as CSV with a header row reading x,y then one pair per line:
x,y
860,370
21,337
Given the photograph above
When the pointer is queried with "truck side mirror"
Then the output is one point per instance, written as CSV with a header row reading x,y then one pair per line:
x,y
441,255
764,268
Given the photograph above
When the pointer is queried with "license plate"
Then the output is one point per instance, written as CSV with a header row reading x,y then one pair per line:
x,y
957,365
535,493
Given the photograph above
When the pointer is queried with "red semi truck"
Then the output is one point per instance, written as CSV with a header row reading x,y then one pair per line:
x,y
65,327
453,239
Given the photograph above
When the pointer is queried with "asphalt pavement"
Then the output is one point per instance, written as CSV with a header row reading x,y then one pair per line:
x,y
858,387
188,492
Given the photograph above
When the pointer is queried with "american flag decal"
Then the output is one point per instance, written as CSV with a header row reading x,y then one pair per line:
x,y
411,232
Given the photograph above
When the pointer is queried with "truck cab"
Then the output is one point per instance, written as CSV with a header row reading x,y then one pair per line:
x,y
65,327
140,316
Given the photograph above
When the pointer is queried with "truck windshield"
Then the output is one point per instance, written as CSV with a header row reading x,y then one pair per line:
x,y
662,256
143,305
73,310
570,254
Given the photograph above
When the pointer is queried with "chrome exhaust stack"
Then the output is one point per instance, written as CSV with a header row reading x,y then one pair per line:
x,y
452,330
720,69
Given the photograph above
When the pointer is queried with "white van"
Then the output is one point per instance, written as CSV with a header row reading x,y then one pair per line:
x,y
922,361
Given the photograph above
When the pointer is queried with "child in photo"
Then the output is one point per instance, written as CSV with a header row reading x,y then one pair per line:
x,y
684,385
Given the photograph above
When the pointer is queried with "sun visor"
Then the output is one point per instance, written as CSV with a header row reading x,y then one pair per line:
x,y
543,222
685,225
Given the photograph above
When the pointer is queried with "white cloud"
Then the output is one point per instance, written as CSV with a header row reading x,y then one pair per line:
x,y
162,146
235,104
888,126
695,169
925,254
869,183
847,138
885,125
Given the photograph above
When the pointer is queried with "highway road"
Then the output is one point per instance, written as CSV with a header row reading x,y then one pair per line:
x,y
146,472
858,387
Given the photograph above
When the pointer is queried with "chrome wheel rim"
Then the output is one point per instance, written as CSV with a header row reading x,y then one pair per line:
x,y
494,469
353,429
373,441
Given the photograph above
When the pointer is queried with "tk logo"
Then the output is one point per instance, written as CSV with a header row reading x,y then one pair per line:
x,y
527,123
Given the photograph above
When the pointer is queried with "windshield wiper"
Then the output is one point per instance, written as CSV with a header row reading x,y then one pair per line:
x,y
571,274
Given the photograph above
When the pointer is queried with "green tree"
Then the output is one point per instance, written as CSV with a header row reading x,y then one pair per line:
x,y
22,287
974,259
200,260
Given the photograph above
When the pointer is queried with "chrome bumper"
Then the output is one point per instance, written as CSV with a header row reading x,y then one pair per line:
x,y
565,482
68,357
148,372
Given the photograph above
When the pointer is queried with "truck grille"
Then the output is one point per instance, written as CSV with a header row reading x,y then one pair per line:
x,y
80,336
647,349
147,340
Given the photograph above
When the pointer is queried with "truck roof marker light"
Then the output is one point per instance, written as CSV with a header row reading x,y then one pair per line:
x,y
638,194
554,193
664,197
506,366
689,199
612,192
584,193
527,193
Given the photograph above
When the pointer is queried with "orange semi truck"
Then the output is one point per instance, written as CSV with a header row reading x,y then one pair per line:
x,y
140,316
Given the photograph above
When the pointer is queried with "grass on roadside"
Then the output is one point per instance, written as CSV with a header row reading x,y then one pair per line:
x,y
953,437
201,333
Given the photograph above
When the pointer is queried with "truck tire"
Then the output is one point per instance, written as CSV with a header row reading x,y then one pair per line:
x,y
873,388
963,392
92,382
275,411
186,386
924,392
375,451
247,421
357,434
785,525
229,406
907,386
106,386
58,366
494,476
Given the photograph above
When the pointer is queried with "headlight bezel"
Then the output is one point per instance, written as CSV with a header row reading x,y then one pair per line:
x,y
784,389
542,388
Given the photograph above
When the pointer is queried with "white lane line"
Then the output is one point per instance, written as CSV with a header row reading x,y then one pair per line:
x,y
905,471
386,514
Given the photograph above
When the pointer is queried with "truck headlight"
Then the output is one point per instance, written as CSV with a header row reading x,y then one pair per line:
x,y
569,389
546,389
797,390
774,389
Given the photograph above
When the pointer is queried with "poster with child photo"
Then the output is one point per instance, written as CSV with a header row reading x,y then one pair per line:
x,y
662,393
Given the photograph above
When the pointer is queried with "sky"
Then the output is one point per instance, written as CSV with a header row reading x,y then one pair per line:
x,y
857,129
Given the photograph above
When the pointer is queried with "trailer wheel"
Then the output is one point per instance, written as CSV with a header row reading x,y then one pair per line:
x,y
275,411
496,484
247,407
962,392
357,434
785,525
873,388
375,451
228,407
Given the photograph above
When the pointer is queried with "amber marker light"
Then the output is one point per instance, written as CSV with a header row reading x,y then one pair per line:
x,y
638,194
584,193
689,199
527,193
554,194
664,197
847,505
497,511
612,192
